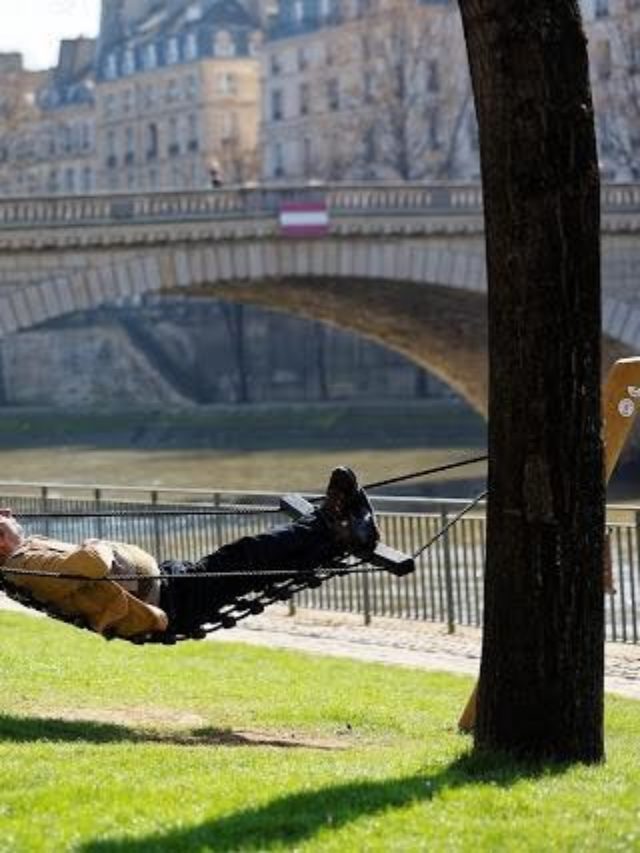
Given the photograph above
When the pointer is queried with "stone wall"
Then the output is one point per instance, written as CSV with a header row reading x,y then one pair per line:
x,y
186,351
84,368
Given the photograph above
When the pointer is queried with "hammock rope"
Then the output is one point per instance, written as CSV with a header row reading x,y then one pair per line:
x,y
243,509
281,585
358,567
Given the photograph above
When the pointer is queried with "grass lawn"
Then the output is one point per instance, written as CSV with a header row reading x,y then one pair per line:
x,y
108,747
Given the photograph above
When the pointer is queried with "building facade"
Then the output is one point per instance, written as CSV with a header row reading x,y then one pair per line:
x,y
367,90
177,94
47,127
166,93
613,28
308,90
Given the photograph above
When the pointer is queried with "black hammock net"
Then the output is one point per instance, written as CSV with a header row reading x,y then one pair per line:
x,y
187,531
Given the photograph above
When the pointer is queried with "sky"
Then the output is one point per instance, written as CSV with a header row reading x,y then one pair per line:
x,y
36,27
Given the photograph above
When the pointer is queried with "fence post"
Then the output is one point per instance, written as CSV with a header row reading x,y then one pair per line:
x,y
366,600
156,527
97,495
44,497
448,580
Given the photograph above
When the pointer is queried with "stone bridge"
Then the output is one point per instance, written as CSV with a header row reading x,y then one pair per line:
x,y
401,264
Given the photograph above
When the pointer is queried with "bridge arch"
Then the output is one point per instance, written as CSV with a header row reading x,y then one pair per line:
x,y
375,289
422,297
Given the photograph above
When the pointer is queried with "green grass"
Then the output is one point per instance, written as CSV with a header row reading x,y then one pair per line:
x,y
109,748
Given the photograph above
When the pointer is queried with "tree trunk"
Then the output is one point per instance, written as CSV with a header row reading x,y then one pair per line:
x,y
541,679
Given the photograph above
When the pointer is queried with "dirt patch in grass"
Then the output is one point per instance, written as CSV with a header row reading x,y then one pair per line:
x,y
179,728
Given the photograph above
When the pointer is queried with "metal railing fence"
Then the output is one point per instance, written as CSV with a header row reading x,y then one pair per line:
x,y
447,586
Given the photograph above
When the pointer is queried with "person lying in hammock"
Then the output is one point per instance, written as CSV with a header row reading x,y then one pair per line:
x,y
151,608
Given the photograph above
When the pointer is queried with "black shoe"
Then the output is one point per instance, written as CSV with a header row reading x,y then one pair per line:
x,y
349,514
341,493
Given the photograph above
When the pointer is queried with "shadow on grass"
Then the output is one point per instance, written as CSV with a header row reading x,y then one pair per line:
x,y
295,818
33,729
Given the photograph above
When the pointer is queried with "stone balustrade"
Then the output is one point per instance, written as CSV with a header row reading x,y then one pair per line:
x,y
252,202
256,202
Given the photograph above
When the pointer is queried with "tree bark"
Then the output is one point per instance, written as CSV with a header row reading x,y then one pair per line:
x,y
541,679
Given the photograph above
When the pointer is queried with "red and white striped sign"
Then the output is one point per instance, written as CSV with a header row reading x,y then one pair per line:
x,y
304,219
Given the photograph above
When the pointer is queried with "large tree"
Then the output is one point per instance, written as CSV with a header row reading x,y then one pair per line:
x,y
541,682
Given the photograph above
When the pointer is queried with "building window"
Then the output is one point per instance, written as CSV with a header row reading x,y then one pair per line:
x,y
191,87
603,59
298,10
194,12
369,146
255,43
304,99
130,146
110,105
191,46
50,142
278,160
634,52
472,130
433,77
174,137
192,124
85,136
227,83
306,157
602,9
111,67
434,129
333,94
150,56
276,65
277,112
127,101
70,180
152,141
224,45
367,87
328,53
129,62
87,179
172,90
229,127
365,47
149,96
303,59
177,179
173,51
112,160
65,138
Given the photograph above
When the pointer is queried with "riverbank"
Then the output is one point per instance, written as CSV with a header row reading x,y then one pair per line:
x,y
275,448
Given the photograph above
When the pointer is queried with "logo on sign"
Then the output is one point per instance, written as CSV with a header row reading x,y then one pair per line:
x,y
626,407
